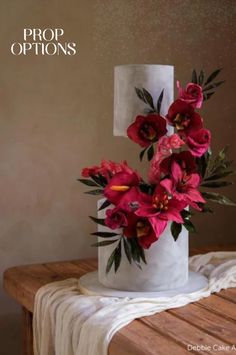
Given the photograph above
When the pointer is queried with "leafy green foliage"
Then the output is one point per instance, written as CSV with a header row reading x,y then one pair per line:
x,y
105,204
159,101
176,229
202,163
115,258
201,78
194,77
100,180
104,243
205,208
186,214
208,85
134,252
150,152
189,226
94,192
105,234
88,182
100,221
216,184
145,96
127,249
218,198
212,76
218,167
141,155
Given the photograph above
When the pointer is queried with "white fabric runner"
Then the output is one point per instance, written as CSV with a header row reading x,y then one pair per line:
x,y
68,323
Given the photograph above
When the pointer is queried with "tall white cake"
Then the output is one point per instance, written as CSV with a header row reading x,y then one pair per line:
x,y
166,268
167,260
127,105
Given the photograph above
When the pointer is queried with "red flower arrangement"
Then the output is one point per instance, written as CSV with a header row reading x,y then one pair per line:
x,y
181,168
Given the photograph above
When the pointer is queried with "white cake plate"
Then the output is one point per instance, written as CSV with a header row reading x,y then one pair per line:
x,y
89,285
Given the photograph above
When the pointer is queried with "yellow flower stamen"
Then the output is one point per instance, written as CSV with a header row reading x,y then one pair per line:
x,y
119,188
142,229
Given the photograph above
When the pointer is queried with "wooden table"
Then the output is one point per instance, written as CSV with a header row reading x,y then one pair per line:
x,y
210,322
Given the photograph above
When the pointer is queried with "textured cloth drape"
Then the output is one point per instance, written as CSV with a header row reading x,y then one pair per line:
x,y
66,322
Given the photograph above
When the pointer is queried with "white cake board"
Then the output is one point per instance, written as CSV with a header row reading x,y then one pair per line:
x,y
89,285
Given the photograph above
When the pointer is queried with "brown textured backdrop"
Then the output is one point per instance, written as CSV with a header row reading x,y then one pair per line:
x,y
56,116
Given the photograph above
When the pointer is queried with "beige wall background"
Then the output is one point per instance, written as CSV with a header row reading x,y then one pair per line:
x,y
56,116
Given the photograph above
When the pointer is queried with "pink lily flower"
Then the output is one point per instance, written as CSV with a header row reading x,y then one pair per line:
x,y
183,186
159,209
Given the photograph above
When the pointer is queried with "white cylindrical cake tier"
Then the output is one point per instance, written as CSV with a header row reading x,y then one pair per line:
x,y
166,268
152,77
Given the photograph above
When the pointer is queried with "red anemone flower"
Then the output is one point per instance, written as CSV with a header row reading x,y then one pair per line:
x,y
182,116
140,228
147,129
115,218
185,160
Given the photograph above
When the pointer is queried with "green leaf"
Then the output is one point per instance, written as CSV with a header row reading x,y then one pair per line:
x,y
219,175
87,182
110,261
94,192
142,153
159,101
100,221
105,204
127,249
140,95
216,184
186,214
202,163
134,249
105,234
148,98
146,188
205,208
201,78
213,86
175,229
189,226
100,180
142,255
212,76
194,77
117,256
215,197
207,96
104,243
150,152
218,165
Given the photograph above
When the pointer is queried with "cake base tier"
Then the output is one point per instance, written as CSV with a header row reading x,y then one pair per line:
x,y
89,285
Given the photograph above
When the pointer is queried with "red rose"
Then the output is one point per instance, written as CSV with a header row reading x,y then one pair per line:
x,y
192,94
115,218
140,228
199,141
185,160
182,116
147,129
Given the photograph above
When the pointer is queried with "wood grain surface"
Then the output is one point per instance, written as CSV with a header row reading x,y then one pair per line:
x,y
210,322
